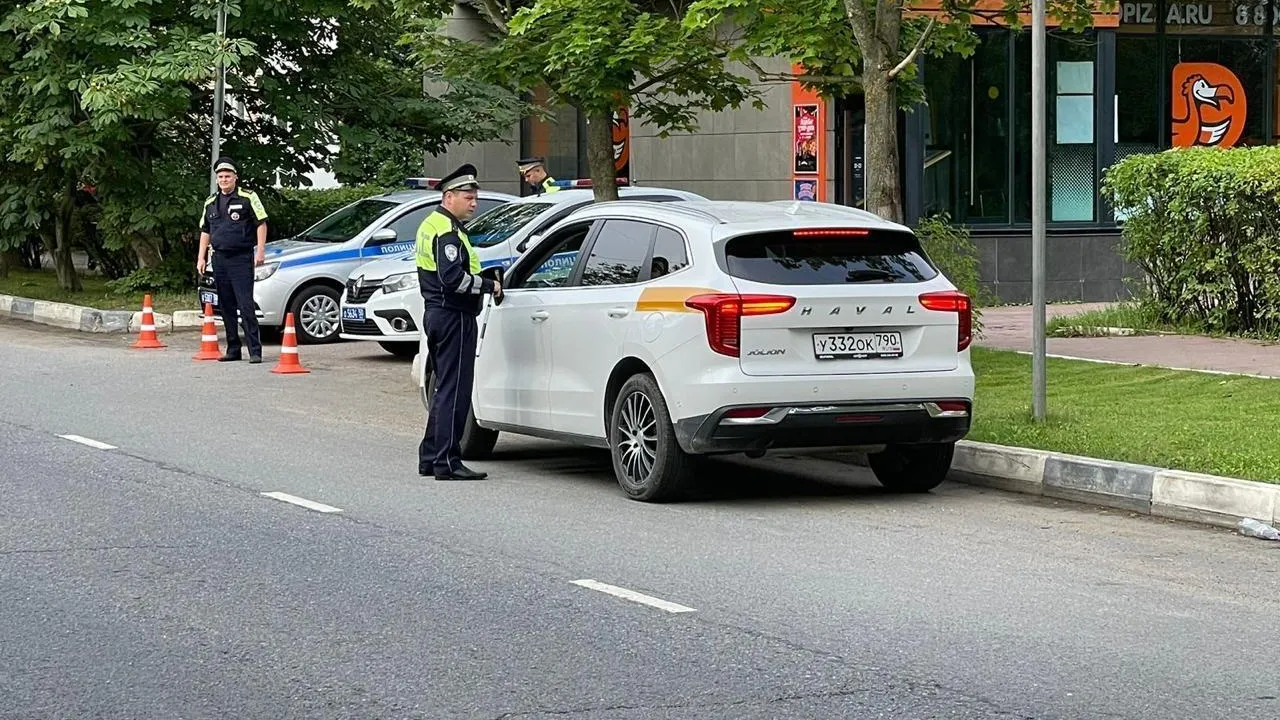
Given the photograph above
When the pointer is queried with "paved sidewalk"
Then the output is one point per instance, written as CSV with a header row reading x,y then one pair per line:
x,y
1009,328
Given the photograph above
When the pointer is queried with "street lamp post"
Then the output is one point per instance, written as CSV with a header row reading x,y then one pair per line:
x,y
1038,149
219,90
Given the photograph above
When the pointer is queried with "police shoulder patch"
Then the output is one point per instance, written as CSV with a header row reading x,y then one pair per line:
x,y
451,252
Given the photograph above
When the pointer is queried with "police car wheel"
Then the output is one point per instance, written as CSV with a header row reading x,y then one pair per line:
x,y
647,460
400,349
317,315
477,442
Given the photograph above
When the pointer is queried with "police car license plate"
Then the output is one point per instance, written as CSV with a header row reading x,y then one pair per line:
x,y
857,346
208,296
353,313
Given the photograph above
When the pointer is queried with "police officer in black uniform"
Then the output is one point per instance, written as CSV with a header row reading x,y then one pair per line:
x,y
534,173
234,223
452,294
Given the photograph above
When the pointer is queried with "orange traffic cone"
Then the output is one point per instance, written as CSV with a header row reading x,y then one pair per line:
x,y
147,339
288,363
209,349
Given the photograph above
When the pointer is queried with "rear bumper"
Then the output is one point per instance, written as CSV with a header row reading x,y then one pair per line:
x,y
834,425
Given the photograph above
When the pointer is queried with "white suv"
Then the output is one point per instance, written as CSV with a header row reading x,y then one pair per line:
x,y
700,328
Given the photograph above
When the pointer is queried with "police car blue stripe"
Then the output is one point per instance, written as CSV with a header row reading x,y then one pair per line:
x,y
350,254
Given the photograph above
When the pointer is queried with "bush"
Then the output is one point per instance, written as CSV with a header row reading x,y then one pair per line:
x,y
1204,225
952,250
293,210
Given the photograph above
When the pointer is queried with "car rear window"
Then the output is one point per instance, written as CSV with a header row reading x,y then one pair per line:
x,y
816,257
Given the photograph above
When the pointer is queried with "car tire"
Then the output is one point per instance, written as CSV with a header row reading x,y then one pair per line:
x,y
912,468
649,464
317,315
477,443
400,349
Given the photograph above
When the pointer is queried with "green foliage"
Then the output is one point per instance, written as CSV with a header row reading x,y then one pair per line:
x,y
174,275
1202,224
951,248
295,210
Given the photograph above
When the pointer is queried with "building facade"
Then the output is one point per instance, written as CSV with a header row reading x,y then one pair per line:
x,y
1146,77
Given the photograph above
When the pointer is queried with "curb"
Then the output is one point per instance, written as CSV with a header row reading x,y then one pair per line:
x,y
87,319
1172,494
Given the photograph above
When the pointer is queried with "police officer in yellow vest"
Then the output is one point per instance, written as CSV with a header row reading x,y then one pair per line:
x,y
534,172
452,295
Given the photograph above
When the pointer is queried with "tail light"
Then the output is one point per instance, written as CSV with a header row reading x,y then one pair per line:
x,y
956,302
724,313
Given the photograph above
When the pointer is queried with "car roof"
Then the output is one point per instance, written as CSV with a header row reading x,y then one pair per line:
x,y
583,195
406,196
735,217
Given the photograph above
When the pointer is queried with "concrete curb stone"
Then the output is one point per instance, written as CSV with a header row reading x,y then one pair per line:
x,y
1144,489
87,319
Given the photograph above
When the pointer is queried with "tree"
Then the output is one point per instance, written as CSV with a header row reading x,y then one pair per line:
x,y
869,46
116,95
598,57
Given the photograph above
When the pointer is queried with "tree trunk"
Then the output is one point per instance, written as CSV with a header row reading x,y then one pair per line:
x,y
9,259
63,264
148,252
604,178
884,184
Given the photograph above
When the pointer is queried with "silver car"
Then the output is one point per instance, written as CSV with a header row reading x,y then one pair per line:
x,y
305,274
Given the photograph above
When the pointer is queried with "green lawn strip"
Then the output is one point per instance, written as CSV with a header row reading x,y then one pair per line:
x,y
1131,315
43,285
1214,424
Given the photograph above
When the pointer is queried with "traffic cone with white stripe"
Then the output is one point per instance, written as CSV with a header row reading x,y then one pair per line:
x,y
288,363
209,349
147,339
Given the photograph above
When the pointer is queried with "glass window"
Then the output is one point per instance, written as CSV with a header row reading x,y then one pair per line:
x,y
406,226
346,223
1217,88
1137,103
781,258
502,222
946,131
618,254
555,260
669,253
987,153
1072,140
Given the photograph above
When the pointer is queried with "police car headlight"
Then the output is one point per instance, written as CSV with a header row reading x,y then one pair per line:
x,y
262,272
403,281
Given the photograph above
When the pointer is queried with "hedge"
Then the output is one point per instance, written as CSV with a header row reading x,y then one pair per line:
x,y
1204,226
293,210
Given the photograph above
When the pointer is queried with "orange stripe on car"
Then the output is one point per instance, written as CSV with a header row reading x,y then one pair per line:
x,y
668,299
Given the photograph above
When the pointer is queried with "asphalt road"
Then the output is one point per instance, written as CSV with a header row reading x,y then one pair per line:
x,y
153,579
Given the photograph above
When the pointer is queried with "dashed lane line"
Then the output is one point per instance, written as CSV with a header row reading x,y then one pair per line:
x,y
301,502
88,441
634,596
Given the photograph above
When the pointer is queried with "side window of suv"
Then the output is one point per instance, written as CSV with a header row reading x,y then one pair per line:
x,y
669,253
618,254
551,264
406,226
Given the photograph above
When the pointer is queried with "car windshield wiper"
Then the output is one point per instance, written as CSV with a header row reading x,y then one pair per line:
x,y
860,275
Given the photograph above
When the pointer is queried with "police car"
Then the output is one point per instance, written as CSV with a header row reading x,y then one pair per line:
x,y
382,303
305,274
700,328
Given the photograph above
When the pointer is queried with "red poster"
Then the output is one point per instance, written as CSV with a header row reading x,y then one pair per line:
x,y
805,134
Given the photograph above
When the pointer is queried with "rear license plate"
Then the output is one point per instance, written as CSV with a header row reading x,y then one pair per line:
x,y
208,296
857,346
353,313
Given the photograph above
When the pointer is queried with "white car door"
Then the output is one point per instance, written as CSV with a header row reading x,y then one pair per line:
x,y
593,324
515,354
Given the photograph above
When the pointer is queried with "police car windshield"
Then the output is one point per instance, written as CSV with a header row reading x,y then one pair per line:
x,y
502,222
346,223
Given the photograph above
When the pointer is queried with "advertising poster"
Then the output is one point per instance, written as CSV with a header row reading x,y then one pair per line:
x,y
622,144
806,190
805,133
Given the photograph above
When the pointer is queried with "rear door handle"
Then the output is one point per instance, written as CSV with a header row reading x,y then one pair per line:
x,y
619,312
540,315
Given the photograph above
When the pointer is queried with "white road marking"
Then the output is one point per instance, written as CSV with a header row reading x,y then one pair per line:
x,y
87,441
302,502
634,596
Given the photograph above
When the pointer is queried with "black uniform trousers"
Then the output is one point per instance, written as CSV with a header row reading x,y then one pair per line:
x,y
451,344
233,276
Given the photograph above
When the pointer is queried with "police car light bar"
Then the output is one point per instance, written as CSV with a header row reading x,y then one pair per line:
x,y
422,183
579,184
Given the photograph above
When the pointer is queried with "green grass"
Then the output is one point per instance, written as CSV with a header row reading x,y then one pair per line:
x,y
1133,315
43,285
1213,424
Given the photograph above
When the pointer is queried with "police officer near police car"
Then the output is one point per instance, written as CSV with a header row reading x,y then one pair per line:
x,y
452,294
234,224
534,173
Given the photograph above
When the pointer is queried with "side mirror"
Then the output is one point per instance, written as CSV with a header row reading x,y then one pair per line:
x,y
385,235
524,244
